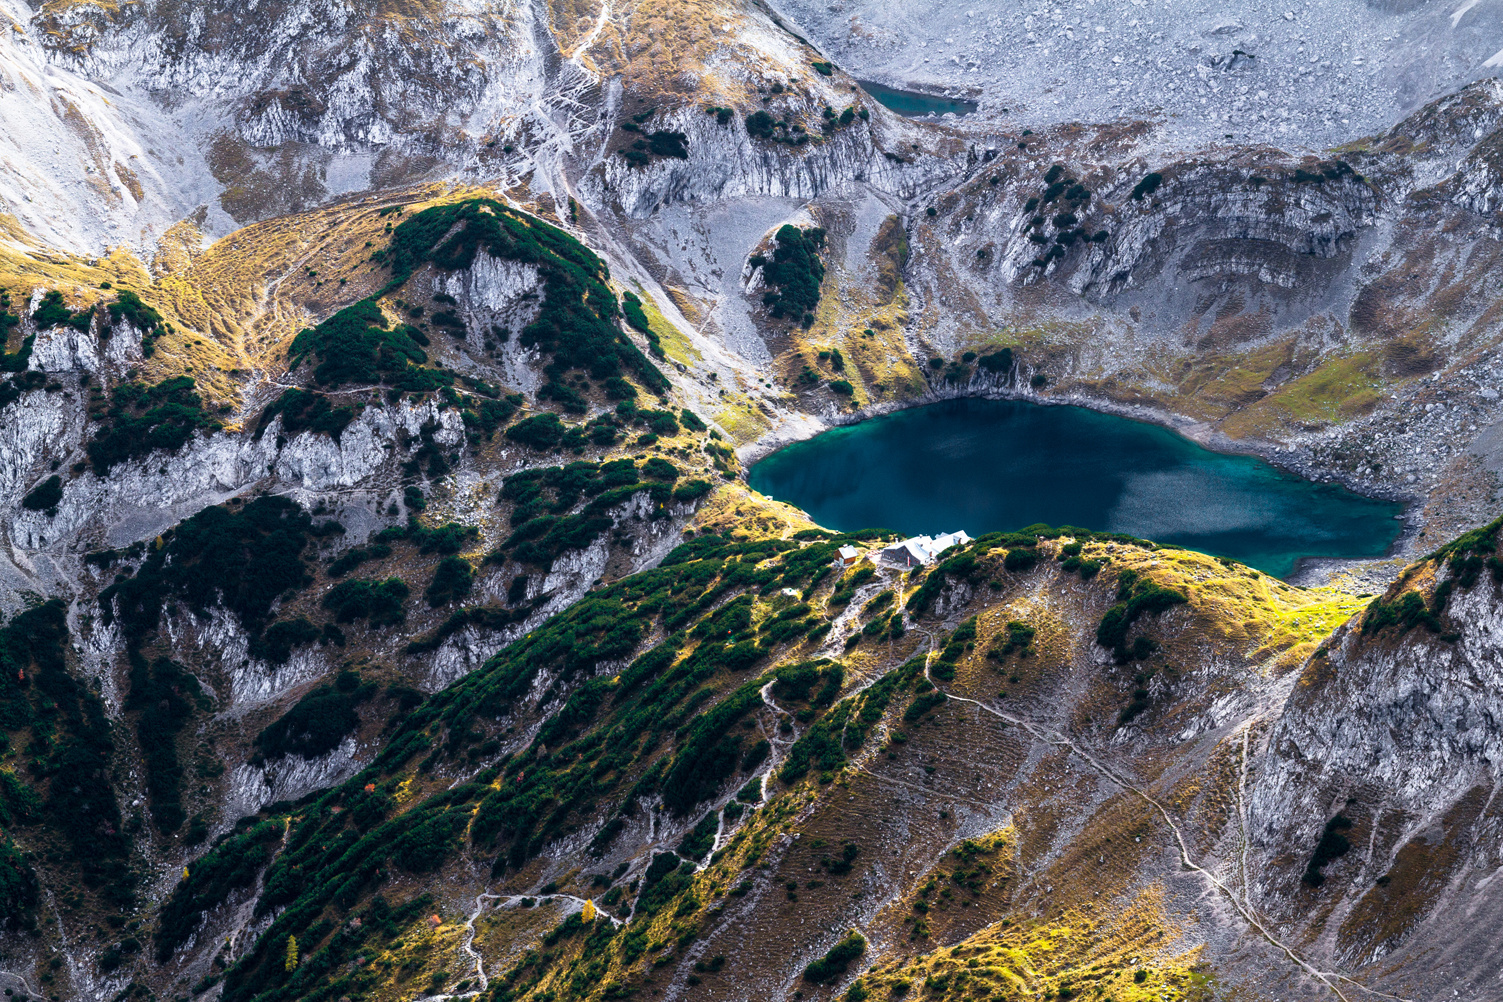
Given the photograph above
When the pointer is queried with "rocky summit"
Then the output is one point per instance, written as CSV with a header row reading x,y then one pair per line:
x,y
385,612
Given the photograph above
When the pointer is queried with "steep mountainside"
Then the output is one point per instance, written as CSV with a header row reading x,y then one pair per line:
x,y
384,615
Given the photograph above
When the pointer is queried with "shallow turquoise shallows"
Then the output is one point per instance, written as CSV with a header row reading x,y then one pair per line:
x,y
913,105
985,465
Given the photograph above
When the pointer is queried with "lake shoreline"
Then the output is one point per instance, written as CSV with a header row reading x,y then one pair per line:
x,y
984,386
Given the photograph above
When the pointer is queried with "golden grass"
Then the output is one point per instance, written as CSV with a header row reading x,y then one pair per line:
x,y
1078,950
1340,388
1270,622
734,507
675,345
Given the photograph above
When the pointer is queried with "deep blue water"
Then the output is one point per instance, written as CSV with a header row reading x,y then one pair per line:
x,y
912,105
987,465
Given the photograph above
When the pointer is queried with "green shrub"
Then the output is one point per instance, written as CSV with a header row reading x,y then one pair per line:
x,y
842,387
835,962
52,312
1147,186
692,490
794,273
319,721
276,644
697,843
19,890
142,419
242,560
1020,559
542,432
760,125
39,695
45,496
1019,638
658,468
1407,612
452,580
378,601
233,863
922,704
302,411
157,693
1332,845
355,556
356,345
1135,598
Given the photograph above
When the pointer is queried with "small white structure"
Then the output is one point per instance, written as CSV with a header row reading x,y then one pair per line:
x,y
847,556
921,550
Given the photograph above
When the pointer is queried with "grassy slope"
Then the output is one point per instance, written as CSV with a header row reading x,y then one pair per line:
x,y
909,783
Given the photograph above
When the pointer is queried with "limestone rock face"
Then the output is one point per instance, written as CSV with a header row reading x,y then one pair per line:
x,y
1397,733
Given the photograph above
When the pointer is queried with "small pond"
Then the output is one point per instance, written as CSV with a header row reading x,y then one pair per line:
x,y
913,105
988,465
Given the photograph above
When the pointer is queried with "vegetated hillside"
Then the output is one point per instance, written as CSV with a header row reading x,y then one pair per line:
x,y
1042,766
379,587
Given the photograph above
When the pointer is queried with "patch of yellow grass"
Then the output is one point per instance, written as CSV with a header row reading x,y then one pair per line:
x,y
734,507
1079,951
741,418
1271,621
675,345
1340,388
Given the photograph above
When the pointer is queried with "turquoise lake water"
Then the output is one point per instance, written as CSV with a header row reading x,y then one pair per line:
x,y
988,465
912,105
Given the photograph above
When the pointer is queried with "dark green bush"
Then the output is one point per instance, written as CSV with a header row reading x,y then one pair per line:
x,y
53,312
319,721
302,411
45,496
452,580
658,468
39,695
542,432
243,560
760,125
794,272
141,419
1136,597
1332,845
276,644
1020,559
378,601
835,962
692,490
922,704
356,345
19,890
157,693
357,555
1147,186
697,843
998,362
233,863
1407,612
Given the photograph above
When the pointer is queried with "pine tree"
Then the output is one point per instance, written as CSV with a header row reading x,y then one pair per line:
x,y
291,953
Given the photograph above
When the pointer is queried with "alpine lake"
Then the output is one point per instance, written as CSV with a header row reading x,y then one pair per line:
x,y
989,465
911,104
